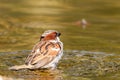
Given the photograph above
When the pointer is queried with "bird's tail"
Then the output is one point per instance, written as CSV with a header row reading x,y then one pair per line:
x,y
18,67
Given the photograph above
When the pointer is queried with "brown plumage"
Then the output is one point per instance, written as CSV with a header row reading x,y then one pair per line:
x,y
45,54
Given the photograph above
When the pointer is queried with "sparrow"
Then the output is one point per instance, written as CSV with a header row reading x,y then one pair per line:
x,y
45,54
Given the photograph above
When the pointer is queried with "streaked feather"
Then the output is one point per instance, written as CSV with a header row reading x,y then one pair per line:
x,y
43,54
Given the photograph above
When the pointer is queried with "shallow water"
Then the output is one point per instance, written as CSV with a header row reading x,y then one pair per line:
x,y
23,21
90,54
75,65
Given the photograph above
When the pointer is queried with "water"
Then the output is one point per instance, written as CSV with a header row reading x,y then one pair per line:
x,y
22,22
75,64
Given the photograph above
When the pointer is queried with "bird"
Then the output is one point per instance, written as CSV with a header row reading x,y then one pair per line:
x,y
83,23
45,54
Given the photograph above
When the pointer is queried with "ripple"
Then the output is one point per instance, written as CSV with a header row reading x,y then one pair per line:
x,y
74,63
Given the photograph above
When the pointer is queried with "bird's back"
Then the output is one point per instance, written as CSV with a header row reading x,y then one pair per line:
x,y
45,53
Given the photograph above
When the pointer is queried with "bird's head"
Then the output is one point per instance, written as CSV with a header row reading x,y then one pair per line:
x,y
50,35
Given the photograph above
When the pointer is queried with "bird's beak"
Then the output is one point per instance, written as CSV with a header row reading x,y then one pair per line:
x,y
58,34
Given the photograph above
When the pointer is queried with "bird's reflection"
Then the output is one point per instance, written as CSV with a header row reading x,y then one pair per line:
x,y
34,75
47,75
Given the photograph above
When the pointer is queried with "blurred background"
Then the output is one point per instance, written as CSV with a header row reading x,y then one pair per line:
x,y
90,32
92,25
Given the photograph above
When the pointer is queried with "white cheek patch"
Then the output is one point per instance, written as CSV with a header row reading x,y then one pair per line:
x,y
55,49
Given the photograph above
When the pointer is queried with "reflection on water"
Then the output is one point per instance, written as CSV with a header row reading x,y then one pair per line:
x,y
40,7
13,58
75,64
37,9
22,21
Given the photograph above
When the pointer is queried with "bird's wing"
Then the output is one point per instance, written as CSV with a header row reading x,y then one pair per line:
x,y
33,52
44,53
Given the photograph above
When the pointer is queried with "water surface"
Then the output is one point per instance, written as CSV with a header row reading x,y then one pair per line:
x,y
98,45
